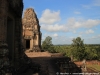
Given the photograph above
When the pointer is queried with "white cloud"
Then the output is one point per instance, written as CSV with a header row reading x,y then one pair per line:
x,y
74,31
89,31
71,25
77,12
49,34
91,23
52,28
74,24
55,35
50,17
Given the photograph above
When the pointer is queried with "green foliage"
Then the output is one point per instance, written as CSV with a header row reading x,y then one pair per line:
x,y
78,49
47,44
89,52
64,49
92,53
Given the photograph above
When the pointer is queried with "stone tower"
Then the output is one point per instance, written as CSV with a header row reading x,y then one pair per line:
x,y
31,31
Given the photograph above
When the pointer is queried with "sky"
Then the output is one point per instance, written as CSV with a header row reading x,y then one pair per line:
x,y
64,20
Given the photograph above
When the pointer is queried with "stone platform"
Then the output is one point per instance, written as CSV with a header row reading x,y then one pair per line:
x,y
42,54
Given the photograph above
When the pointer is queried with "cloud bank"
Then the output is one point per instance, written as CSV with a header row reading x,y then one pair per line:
x,y
50,17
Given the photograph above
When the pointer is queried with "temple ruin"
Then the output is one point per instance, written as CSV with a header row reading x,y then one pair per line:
x,y
15,33
31,31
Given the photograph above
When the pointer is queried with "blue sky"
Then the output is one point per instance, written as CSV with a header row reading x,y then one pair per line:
x,y
64,20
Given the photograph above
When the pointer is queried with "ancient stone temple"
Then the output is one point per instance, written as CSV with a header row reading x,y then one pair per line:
x,y
10,30
31,31
13,61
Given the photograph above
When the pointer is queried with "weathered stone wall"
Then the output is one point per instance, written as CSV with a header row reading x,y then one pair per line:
x,y
11,27
56,65
3,18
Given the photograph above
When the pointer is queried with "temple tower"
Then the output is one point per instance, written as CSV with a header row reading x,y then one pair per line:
x,y
31,31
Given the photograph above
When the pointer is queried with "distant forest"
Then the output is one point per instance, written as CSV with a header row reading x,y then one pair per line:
x,y
77,50
92,51
70,45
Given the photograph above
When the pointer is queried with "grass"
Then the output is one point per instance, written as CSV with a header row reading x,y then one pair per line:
x,y
95,66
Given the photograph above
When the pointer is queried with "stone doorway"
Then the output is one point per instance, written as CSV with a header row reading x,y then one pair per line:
x,y
27,44
10,37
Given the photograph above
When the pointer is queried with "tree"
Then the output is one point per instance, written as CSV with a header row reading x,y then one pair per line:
x,y
47,44
78,49
92,53
98,52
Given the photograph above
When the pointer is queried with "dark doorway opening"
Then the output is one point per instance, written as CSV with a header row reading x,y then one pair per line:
x,y
10,37
27,44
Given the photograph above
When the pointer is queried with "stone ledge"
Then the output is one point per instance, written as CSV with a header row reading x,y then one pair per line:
x,y
43,54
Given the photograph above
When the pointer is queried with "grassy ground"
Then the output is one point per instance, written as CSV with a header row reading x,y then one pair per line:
x,y
95,66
